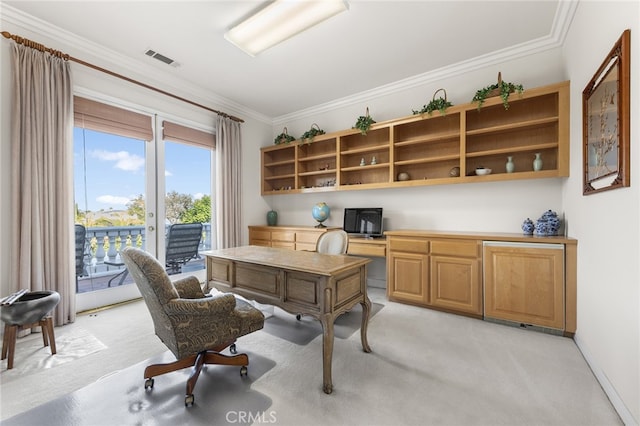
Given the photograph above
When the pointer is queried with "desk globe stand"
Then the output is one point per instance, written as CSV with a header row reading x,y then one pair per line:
x,y
320,213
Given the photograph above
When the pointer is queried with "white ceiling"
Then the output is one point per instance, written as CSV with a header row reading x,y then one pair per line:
x,y
375,43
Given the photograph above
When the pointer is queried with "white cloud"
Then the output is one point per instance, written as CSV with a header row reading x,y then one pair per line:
x,y
113,199
168,173
198,195
123,159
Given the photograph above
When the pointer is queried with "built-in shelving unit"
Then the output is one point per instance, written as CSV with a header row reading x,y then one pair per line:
x,y
431,150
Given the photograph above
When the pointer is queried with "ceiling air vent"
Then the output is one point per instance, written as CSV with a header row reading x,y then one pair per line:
x,y
161,58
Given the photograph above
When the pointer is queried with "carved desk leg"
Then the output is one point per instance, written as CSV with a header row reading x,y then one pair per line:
x,y
327,351
366,311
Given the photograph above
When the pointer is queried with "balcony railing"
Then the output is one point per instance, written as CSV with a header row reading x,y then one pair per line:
x,y
102,253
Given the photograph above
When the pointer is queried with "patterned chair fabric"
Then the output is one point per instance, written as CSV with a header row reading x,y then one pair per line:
x,y
185,319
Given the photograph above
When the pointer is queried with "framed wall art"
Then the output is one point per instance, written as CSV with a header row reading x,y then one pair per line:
x,y
606,122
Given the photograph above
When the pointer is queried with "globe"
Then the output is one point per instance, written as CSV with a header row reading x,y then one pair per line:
x,y
320,212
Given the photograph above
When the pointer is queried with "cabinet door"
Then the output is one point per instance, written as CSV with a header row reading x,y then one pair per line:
x,y
408,277
525,283
455,284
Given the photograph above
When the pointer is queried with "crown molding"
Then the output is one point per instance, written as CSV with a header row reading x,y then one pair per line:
x,y
152,75
561,23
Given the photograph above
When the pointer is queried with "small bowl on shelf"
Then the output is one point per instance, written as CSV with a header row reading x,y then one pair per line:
x,y
481,171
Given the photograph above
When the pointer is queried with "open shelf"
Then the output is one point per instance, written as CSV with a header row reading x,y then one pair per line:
x,y
431,150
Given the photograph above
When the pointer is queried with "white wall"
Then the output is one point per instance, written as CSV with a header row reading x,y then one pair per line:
x,y
606,224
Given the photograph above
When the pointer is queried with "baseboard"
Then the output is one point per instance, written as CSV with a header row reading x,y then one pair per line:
x,y
523,326
377,283
625,415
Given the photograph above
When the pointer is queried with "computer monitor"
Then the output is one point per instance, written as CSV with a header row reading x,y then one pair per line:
x,y
365,222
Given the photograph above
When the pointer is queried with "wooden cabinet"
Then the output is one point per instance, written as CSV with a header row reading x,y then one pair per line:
x,y
408,270
525,283
427,147
436,273
289,237
455,275
511,277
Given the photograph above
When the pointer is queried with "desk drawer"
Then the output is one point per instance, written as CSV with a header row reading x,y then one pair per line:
x,y
259,235
255,278
458,248
409,245
362,249
307,237
289,236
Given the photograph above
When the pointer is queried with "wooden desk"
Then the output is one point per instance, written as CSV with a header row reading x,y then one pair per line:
x,y
300,282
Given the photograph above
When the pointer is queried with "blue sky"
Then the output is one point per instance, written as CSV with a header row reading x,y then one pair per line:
x,y
115,168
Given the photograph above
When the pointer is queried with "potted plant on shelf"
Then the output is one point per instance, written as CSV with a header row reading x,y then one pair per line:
x,y
283,137
308,136
502,89
364,123
441,104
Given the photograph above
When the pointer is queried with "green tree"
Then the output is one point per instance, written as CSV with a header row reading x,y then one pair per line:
x,y
177,205
136,208
200,212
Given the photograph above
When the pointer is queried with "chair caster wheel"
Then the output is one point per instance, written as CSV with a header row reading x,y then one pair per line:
x,y
298,317
243,371
233,349
148,384
189,400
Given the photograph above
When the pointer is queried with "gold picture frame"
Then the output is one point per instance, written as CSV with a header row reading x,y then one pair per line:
x,y
606,122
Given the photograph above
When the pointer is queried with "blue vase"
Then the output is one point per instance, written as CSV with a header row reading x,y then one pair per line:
x,y
272,218
548,224
528,227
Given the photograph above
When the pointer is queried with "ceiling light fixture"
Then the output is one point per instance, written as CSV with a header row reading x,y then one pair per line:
x,y
279,21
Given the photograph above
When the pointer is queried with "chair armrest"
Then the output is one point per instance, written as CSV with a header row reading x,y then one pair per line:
x,y
189,288
206,306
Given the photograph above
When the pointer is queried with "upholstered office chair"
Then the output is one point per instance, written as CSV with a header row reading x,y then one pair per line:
x,y
195,327
333,242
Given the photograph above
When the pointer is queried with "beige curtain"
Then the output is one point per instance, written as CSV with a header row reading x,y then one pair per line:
x,y
229,188
42,177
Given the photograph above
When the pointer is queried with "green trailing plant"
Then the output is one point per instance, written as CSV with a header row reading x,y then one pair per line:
x,y
363,123
441,104
502,89
283,137
314,131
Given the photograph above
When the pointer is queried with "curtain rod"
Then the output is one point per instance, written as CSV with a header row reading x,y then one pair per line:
x,y
67,57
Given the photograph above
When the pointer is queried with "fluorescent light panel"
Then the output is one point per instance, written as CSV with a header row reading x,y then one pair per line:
x,y
279,21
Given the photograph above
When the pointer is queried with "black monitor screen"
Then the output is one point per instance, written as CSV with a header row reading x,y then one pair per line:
x,y
363,221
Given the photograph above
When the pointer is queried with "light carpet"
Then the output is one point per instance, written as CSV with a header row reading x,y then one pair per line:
x,y
426,368
31,355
